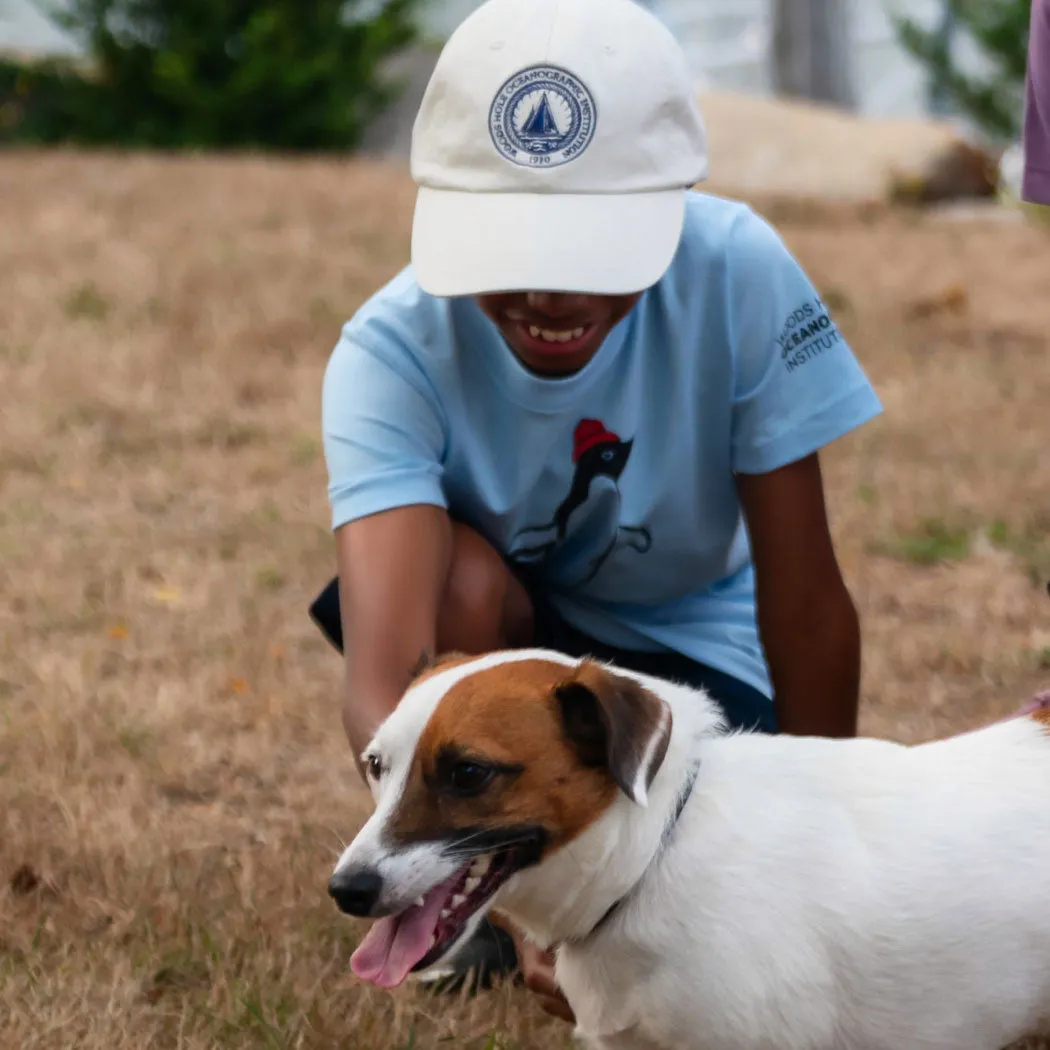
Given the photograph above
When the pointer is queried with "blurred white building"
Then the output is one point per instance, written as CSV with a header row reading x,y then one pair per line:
x,y
729,45
728,42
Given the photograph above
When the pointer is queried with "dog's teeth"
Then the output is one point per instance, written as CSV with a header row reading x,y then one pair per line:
x,y
473,882
480,866
457,900
445,913
418,902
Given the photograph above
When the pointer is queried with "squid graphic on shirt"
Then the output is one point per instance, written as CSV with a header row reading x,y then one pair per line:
x,y
586,529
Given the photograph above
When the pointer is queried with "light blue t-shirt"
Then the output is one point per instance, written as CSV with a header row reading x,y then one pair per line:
x,y
615,485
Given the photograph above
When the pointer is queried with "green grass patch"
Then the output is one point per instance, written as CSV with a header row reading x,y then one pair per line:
x,y
306,449
1030,545
86,301
931,542
270,579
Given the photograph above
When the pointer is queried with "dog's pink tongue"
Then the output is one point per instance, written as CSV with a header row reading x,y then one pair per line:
x,y
395,944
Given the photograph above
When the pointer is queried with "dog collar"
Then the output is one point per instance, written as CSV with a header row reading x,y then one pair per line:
x,y
665,838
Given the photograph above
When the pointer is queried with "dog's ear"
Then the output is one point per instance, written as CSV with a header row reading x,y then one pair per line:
x,y
613,722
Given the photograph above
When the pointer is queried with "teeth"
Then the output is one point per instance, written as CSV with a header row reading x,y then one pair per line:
x,y
457,900
433,939
445,913
550,336
418,902
480,866
472,883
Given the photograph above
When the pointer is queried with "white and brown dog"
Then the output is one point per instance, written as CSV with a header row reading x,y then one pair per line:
x,y
709,889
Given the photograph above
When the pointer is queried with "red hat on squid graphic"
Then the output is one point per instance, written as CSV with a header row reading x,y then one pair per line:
x,y
588,433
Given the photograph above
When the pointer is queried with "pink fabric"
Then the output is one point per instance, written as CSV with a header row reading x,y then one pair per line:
x,y
1036,185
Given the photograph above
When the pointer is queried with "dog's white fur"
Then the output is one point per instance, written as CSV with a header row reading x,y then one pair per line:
x,y
814,895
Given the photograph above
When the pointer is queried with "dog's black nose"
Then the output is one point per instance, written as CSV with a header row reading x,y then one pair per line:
x,y
356,892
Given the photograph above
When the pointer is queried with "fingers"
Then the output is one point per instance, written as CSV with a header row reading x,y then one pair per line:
x,y
537,970
497,918
556,1008
539,977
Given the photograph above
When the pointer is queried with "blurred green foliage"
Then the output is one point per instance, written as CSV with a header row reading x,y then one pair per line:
x,y
1000,30
210,74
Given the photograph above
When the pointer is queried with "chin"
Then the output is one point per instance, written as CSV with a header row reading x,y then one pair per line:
x,y
555,368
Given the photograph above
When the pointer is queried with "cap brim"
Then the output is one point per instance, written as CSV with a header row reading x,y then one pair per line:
x,y
478,243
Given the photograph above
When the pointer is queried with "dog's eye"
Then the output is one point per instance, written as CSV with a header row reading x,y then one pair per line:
x,y
374,767
469,778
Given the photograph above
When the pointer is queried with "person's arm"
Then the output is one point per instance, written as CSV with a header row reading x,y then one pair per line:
x,y
797,388
384,441
806,617
392,571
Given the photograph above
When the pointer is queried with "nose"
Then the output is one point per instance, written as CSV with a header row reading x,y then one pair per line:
x,y
356,892
555,304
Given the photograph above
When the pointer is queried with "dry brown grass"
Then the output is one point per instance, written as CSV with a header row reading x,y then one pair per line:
x,y
173,777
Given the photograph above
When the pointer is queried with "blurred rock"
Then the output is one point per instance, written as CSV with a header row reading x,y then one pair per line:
x,y
798,149
959,171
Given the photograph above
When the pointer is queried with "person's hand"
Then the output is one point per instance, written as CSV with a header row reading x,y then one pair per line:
x,y
537,968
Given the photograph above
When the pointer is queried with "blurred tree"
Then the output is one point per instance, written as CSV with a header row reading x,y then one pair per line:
x,y
940,97
214,74
1000,30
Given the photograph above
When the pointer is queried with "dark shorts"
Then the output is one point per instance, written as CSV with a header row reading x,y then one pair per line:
x,y
745,707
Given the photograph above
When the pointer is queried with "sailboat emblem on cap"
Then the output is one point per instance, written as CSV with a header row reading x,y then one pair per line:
x,y
542,117
540,127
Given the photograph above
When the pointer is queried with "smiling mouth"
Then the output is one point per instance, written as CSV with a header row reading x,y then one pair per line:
x,y
417,937
551,341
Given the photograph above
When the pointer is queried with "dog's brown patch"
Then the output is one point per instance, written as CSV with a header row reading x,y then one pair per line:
x,y
508,715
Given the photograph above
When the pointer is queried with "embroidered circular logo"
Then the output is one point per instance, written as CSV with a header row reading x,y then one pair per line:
x,y
542,117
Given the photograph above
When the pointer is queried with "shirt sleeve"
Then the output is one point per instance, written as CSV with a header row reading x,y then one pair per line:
x,y
1035,187
384,434
797,384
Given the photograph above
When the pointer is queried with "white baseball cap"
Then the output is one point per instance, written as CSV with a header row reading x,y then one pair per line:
x,y
553,150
